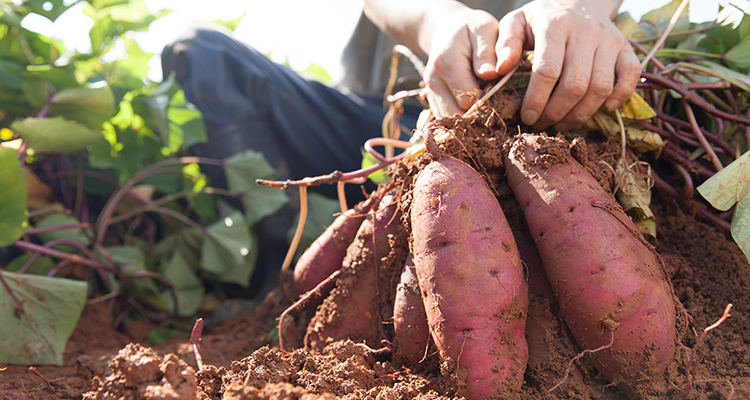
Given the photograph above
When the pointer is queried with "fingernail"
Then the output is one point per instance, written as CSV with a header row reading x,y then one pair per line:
x,y
529,117
610,105
486,68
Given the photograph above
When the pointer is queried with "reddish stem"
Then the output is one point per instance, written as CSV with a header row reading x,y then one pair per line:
x,y
714,138
195,338
639,47
317,290
695,98
721,85
693,353
702,139
91,262
55,228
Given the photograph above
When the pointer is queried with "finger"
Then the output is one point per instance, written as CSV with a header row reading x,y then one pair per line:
x,y
599,89
483,39
549,52
454,77
441,99
628,72
572,85
510,42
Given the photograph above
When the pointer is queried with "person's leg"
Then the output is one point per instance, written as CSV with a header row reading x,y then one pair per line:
x,y
302,127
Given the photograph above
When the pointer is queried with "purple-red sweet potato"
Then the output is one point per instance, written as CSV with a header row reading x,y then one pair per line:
x,y
327,252
409,318
352,309
609,282
471,278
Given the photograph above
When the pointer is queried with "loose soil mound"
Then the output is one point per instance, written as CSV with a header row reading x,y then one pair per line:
x,y
242,359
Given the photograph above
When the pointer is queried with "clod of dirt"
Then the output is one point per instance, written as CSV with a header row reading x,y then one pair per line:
x,y
138,373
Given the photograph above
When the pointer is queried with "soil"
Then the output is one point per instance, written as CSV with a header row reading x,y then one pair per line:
x,y
242,360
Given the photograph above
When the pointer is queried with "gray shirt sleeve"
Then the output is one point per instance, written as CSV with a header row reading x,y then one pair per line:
x,y
367,56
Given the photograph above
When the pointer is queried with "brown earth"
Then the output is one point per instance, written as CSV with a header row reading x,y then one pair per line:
x,y
242,359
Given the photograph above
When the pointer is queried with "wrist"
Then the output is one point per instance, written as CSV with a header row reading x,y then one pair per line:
x,y
435,15
614,7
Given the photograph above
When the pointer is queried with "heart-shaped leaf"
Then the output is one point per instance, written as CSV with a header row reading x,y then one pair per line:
x,y
38,316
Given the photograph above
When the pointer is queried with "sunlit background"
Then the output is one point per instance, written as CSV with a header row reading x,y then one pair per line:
x,y
300,31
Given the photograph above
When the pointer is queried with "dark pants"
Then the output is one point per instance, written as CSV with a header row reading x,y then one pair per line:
x,y
304,128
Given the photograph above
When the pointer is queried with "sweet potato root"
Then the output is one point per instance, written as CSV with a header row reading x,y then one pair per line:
x,y
609,282
352,308
471,278
327,252
409,318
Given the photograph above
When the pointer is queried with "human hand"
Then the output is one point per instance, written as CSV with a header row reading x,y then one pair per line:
x,y
462,48
581,60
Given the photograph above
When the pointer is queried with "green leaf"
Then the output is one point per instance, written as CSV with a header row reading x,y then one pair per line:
x,y
10,74
717,70
226,243
129,72
100,4
259,201
185,128
36,330
178,122
133,260
179,271
317,73
114,18
244,168
377,177
229,24
75,234
91,105
730,187
739,55
127,256
241,273
55,135
35,48
36,92
41,266
661,17
8,16
47,8
13,212
58,75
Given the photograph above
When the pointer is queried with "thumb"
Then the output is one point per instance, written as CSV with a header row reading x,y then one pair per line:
x,y
511,37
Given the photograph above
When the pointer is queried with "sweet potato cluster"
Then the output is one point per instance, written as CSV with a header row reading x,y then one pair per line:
x,y
431,263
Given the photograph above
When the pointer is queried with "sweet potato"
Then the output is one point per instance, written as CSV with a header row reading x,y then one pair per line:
x,y
327,252
471,278
609,282
351,311
409,318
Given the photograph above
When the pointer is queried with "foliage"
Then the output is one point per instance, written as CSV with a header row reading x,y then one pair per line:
x,y
730,187
39,313
699,86
13,213
102,150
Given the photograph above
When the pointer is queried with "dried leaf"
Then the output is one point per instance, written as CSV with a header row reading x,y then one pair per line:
x,y
636,108
638,138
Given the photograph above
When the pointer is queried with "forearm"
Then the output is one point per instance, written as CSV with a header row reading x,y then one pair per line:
x,y
411,23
